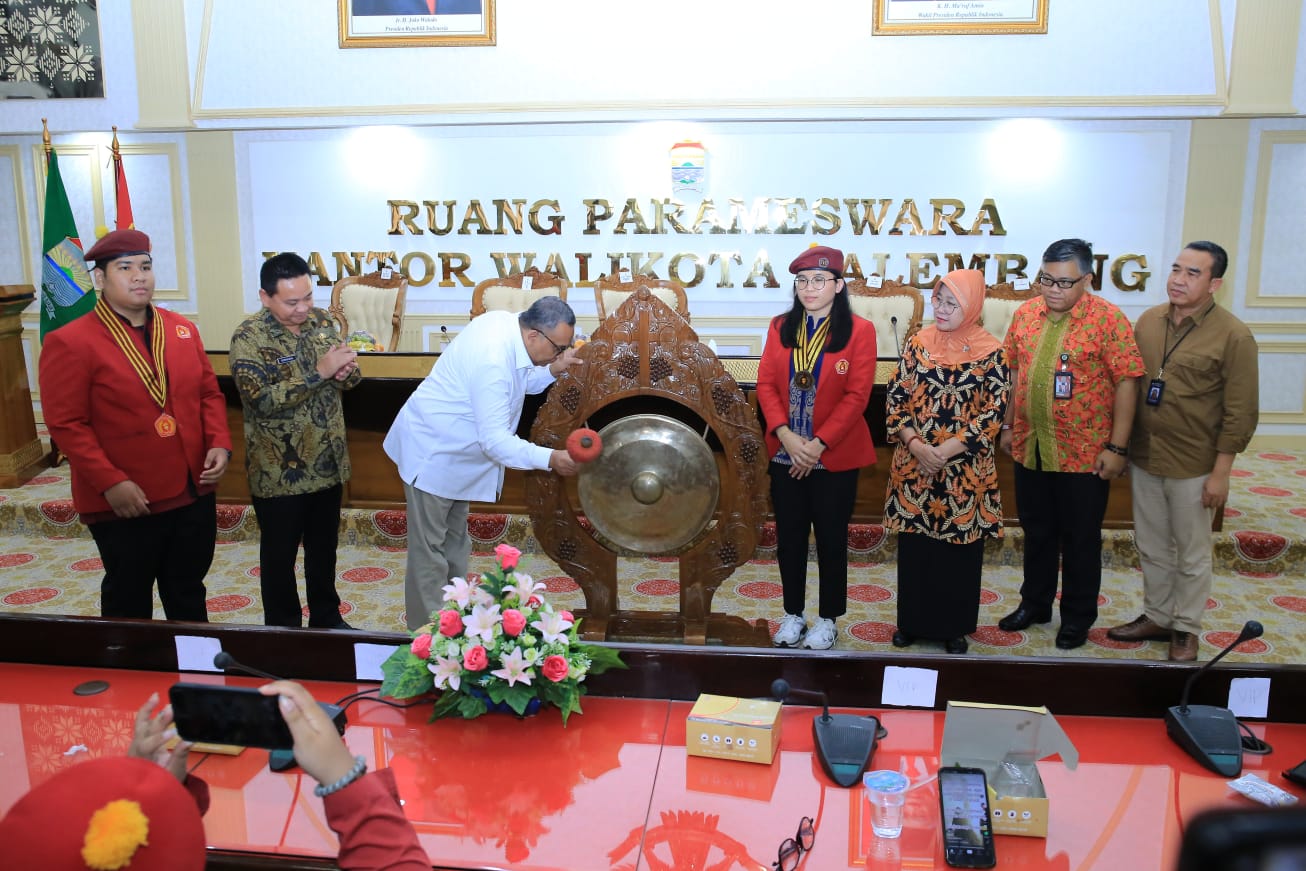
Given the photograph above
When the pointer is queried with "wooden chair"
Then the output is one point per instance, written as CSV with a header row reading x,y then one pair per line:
x,y
611,291
516,292
896,310
372,304
1000,304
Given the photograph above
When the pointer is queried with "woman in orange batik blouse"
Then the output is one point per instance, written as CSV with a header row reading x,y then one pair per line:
x,y
946,404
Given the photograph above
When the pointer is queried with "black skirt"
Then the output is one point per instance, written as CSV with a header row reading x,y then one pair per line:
x,y
938,587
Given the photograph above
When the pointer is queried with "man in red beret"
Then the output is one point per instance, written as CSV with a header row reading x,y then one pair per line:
x,y
129,396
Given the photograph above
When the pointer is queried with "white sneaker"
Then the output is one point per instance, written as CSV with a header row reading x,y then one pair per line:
x,y
790,632
821,636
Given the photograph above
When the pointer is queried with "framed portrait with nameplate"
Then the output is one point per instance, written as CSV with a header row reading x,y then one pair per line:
x,y
933,17
398,23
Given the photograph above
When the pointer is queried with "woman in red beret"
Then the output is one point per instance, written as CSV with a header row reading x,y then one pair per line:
x,y
813,383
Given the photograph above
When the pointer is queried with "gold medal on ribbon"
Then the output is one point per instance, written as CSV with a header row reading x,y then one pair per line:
x,y
153,373
807,351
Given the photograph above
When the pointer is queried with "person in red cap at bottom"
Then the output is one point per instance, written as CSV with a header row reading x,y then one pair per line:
x,y
813,384
129,396
142,812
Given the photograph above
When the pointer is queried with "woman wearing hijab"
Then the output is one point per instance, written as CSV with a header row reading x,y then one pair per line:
x,y
813,383
946,404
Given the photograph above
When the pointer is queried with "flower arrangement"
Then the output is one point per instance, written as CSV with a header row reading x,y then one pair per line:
x,y
496,642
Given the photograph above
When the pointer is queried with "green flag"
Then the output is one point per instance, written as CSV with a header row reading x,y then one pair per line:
x,y
66,288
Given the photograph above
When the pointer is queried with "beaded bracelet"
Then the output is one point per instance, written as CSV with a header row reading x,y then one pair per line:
x,y
360,766
915,437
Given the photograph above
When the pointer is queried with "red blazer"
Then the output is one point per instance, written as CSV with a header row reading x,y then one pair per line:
x,y
100,414
842,393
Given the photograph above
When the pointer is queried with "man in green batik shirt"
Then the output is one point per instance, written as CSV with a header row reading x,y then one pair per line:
x,y
290,365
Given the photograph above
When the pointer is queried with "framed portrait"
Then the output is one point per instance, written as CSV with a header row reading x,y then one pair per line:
x,y
899,17
388,23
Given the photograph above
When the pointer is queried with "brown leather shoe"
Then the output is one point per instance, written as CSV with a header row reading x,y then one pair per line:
x,y
1183,647
1142,629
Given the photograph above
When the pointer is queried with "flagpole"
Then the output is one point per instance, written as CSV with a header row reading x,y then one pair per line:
x,y
123,218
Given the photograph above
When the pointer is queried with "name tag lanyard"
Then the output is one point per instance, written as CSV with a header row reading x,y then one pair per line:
x,y
1156,387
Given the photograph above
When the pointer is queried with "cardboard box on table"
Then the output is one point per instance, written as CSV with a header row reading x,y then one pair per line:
x,y
1002,739
724,727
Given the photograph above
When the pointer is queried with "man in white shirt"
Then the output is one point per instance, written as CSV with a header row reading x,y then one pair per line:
x,y
458,431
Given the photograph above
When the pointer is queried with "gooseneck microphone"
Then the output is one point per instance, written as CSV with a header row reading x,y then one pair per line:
x,y
893,319
844,743
227,662
1208,733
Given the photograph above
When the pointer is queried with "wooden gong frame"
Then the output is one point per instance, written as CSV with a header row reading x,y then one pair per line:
x,y
646,349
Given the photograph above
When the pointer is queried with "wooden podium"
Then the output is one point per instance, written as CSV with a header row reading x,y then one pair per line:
x,y
21,456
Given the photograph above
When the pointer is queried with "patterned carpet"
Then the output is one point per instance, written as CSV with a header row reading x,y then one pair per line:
x,y
49,565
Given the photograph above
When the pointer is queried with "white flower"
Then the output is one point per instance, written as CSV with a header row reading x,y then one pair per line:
x,y
481,622
552,626
515,668
524,589
481,596
448,671
458,591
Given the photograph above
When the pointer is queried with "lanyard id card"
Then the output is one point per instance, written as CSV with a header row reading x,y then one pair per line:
x,y
1063,380
1155,390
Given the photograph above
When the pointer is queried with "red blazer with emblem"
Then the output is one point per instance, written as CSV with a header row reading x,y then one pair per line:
x,y
101,416
842,393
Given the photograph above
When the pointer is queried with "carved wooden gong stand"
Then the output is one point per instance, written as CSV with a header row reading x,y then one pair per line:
x,y
645,349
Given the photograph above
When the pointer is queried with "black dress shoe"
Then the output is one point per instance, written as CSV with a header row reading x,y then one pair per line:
x,y
956,645
902,639
1022,618
1070,637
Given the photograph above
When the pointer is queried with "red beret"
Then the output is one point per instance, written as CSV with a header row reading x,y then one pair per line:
x,y
119,243
819,257
52,827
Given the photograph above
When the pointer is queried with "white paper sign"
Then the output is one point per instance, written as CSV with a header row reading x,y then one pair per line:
x,y
1249,696
368,659
909,687
1020,284
875,281
195,653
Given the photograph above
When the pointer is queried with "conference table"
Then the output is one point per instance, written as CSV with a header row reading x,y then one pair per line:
x,y
615,787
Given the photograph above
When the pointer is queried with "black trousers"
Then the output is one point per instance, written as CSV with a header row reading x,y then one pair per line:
x,y
938,586
822,502
1061,514
284,522
173,549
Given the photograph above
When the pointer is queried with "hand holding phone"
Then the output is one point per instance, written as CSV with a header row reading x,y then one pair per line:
x,y
964,815
229,715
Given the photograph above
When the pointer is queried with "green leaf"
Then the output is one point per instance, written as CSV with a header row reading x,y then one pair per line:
x,y
602,658
406,675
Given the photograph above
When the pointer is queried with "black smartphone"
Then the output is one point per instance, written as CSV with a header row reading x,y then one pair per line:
x,y
964,813
1297,774
229,715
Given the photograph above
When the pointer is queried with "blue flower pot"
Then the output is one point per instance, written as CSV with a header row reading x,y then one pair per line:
x,y
532,707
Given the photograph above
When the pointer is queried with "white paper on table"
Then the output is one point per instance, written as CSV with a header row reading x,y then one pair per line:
x,y
196,652
368,659
909,687
1249,696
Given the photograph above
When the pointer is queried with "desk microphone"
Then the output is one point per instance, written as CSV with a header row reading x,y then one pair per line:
x,y
893,319
1207,733
278,760
844,743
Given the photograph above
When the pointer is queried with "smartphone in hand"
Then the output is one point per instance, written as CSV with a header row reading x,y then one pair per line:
x,y
964,814
229,715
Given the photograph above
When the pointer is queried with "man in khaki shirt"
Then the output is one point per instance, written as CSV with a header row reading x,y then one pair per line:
x,y
1197,409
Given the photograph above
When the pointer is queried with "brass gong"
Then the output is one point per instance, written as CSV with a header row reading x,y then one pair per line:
x,y
654,488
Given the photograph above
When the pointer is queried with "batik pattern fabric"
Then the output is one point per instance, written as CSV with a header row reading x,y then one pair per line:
x,y
968,401
1094,342
294,421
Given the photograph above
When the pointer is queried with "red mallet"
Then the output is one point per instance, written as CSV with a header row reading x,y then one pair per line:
x,y
584,445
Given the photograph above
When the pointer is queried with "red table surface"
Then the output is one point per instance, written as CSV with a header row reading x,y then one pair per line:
x,y
615,789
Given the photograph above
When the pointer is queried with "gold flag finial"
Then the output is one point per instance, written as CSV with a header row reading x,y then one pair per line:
x,y
45,136
116,152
